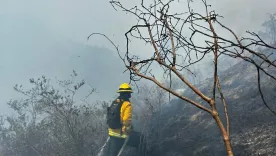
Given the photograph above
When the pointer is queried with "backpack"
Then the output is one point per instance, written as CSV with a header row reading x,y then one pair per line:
x,y
113,114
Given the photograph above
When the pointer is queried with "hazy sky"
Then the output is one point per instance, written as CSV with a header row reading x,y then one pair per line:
x,y
36,36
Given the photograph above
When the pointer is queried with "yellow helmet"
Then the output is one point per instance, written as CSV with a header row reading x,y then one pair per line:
x,y
125,87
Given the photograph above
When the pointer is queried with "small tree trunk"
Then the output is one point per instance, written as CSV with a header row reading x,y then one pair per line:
x,y
225,135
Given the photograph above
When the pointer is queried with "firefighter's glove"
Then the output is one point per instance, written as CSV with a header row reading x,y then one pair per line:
x,y
127,129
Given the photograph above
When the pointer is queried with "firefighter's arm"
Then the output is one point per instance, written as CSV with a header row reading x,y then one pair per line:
x,y
127,115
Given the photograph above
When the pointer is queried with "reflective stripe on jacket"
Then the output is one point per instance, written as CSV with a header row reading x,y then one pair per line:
x,y
126,114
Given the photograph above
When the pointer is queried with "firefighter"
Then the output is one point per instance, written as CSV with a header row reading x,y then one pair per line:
x,y
119,116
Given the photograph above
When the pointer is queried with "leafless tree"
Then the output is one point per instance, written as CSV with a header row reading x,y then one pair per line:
x,y
172,37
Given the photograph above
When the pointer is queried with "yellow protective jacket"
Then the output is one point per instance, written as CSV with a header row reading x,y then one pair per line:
x,y
126,115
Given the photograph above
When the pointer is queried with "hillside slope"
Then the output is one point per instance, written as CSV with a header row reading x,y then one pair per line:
x,y
186,130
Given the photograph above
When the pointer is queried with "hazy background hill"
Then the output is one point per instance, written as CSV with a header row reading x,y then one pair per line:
x,y
32,49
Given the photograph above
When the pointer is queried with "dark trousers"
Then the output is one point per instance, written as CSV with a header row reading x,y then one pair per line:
x,y
114,145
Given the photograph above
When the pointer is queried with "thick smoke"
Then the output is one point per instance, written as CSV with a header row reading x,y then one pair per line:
x,y
244,15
